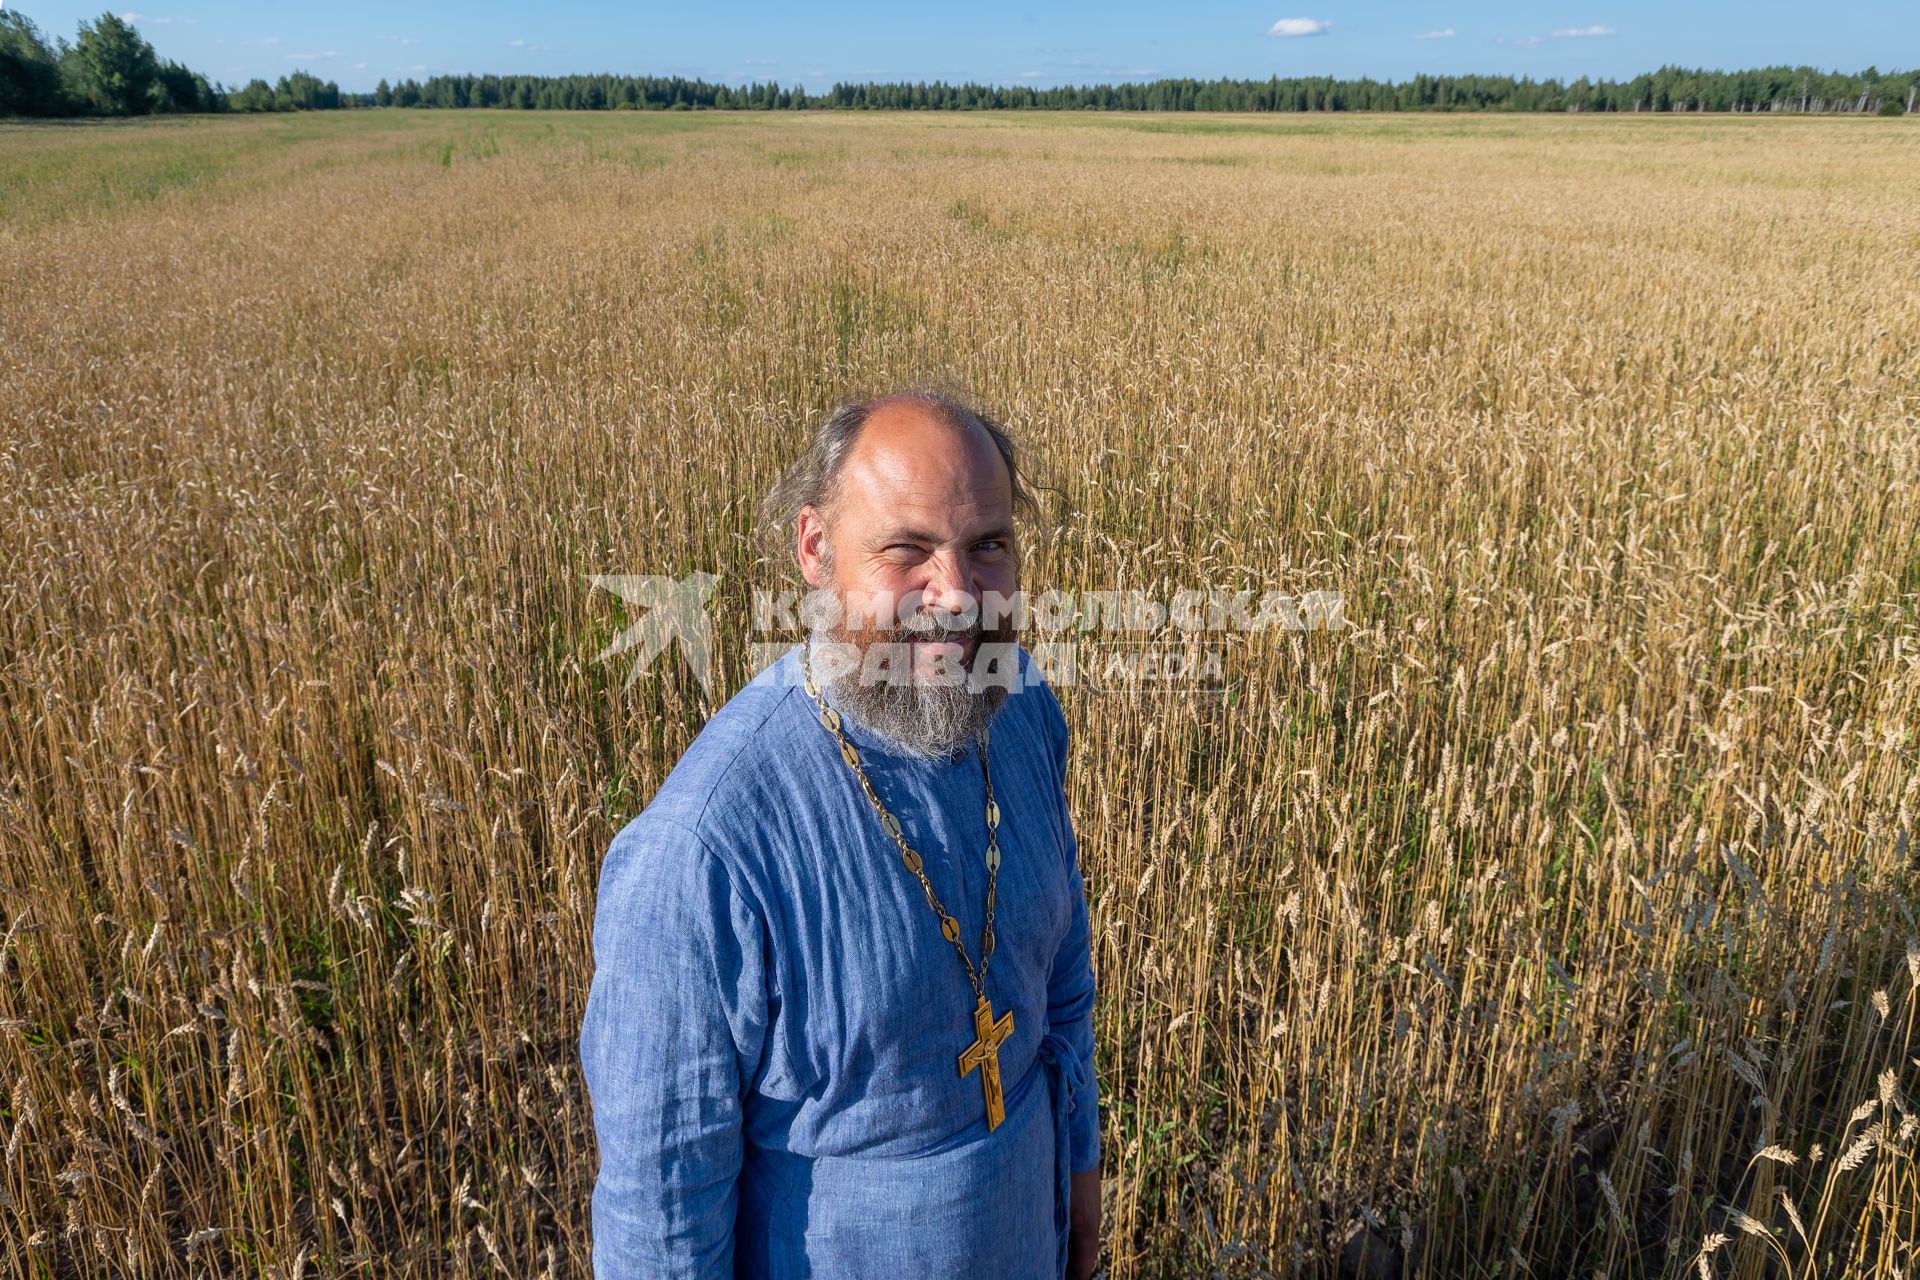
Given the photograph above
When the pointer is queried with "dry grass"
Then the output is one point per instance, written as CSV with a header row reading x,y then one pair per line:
x,y
1558,917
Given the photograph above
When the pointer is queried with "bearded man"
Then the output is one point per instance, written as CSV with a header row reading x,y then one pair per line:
x,y
840,1022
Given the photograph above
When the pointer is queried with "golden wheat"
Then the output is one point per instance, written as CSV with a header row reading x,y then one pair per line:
x,y
1502,928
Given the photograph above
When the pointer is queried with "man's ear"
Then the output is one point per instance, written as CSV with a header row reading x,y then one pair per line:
x,y
812,532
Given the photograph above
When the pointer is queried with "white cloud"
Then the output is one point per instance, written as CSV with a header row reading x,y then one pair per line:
x,y
1299,27
313,57
271,40
1579,33
1525,42
1444,33
359,66
148,20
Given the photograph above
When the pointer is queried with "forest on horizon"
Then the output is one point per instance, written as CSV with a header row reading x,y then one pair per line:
x,y
111,70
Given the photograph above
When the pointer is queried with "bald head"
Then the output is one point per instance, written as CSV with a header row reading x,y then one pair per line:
x,y
914,466
905,445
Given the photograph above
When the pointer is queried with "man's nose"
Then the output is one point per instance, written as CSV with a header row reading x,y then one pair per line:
x,y
949,584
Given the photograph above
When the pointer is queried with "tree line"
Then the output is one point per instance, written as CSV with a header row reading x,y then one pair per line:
x,y
111,70
1792,89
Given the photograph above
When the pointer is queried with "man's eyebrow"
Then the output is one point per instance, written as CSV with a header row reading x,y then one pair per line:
x,y
920,535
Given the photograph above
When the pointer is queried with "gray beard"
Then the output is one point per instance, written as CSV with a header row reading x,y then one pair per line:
x,y
924,719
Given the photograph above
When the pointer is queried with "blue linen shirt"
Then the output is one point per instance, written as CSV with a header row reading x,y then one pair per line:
x,y
773,1029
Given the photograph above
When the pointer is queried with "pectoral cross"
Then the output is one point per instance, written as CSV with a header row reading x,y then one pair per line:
x,y
984,1053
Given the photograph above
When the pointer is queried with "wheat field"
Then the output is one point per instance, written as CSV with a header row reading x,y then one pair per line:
x,y
1555,918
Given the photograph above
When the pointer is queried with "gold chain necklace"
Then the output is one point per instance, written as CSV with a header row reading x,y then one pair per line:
x,y
989,1033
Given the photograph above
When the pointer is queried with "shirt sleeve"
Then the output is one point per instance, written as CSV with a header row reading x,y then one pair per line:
x,y
1070,986
674,1023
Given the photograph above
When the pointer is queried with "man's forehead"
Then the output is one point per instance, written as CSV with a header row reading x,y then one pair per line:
x,y
925,513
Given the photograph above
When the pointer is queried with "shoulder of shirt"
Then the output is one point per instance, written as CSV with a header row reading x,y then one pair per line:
x,y
722,762
1035,685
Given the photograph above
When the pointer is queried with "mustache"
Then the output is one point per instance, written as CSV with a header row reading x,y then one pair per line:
x,y
949,628
947,635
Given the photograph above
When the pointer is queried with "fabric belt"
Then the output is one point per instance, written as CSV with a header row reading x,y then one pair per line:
x,y
1067,1077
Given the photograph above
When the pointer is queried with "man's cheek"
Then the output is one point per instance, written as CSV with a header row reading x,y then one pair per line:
x,y
872,606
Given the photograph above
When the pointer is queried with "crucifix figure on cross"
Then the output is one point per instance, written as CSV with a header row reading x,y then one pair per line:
x,y
984,1053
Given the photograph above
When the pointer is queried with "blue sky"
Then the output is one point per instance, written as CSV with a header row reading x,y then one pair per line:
x,y
358,43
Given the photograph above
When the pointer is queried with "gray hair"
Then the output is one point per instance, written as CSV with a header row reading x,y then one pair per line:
x,y
814,478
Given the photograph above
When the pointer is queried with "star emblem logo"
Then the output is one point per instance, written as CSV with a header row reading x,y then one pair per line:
x,y
670,610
